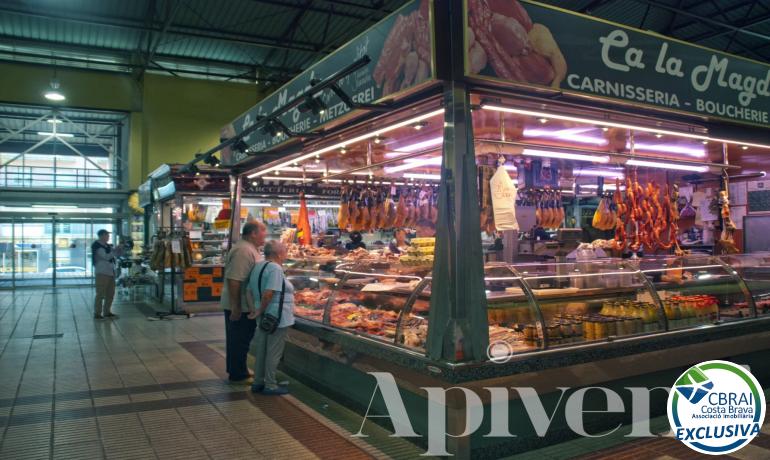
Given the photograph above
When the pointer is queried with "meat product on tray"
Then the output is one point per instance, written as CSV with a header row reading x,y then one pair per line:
x,y
374,322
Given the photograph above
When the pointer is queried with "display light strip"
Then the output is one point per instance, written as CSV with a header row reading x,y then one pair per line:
x,y
613,124
668,148
662,165
599,173
422,176
348,142
571,134
417,163
566,156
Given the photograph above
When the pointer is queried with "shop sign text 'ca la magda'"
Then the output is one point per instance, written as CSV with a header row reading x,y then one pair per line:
x,y
533,44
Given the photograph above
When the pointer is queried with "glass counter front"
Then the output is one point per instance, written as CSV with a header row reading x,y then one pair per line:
x,y
538,306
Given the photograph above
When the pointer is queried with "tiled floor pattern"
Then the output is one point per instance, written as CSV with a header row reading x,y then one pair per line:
x,y
129,389
139,389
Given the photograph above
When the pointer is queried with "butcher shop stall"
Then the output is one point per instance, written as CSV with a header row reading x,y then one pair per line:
x,y
537,205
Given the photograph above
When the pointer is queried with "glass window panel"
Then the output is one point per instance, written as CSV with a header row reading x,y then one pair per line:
x,y
696,290
754,269
597,300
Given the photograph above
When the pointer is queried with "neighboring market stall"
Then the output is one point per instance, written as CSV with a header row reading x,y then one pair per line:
x,y
613,187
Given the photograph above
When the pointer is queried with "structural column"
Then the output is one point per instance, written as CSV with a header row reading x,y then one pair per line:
x,y
458,326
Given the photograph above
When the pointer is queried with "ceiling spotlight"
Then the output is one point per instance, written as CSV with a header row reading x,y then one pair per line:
x,y
343,150
745,147
317,160
53,94
254,183
313,104
377,140
54,120
418,126
277,173
704,142
190,169
273,128
212,160
605,129
543,120
241,146
658,135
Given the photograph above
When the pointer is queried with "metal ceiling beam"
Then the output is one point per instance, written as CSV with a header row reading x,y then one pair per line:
x,y
318,9
186,31
595,4
684,7
123,55
703,19
172,6
743,25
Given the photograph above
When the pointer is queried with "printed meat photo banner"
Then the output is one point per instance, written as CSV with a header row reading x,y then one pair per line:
x,y
533,44
401,51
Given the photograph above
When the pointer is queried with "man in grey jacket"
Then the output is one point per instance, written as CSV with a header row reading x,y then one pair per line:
x,y
104,255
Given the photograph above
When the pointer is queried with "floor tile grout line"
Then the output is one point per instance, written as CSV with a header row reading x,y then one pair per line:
x,y
88,378
24,368
55,308
15,326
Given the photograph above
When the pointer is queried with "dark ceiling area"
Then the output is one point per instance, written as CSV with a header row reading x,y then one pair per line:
x,y
270,41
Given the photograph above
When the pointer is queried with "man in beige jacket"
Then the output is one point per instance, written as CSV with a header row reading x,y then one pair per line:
x,y
104,256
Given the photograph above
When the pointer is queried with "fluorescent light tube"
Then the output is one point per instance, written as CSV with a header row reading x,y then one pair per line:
x,y
420,145
49,133
669,148
422,176
571,134
416,163
599,173
57,206
348,142
612,124
662,165
566,156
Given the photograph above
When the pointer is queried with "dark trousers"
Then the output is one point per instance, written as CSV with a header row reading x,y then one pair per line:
x,y
238,335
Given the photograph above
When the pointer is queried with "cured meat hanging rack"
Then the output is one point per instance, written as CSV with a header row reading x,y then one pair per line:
x,y
163,233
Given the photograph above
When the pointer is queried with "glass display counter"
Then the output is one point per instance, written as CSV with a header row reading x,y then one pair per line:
x,y
538,306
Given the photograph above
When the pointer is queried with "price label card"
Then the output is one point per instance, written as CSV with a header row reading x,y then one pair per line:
x,y
176,247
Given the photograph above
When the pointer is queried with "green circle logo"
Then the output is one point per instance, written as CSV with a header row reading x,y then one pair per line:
x,y
716,407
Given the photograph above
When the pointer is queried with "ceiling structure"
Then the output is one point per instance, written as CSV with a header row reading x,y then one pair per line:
x,y
270,41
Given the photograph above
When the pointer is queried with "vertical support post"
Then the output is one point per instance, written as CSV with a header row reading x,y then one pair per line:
x,y
458,327
53,249
236,186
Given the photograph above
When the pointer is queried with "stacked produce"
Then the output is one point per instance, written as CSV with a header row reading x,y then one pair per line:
x,y
415,331
420,252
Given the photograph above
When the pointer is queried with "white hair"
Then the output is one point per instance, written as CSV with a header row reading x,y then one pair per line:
x,y
273,248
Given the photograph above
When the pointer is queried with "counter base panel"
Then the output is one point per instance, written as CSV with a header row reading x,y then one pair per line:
x,y
342,375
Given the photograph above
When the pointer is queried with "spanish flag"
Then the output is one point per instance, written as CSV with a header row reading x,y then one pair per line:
x,y
303,223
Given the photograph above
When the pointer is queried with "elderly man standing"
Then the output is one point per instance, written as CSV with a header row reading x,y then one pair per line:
x,y
239,329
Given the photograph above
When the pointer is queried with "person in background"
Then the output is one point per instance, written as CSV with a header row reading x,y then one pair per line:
x,y
239,329
103,258
274,291
399,243
498,244
356,241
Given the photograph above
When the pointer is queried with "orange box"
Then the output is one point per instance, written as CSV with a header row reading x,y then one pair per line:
x,y
205,281
192,272
217,272
216,289
190,292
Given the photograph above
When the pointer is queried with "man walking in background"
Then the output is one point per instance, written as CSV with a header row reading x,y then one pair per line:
x,y
239,329
103,258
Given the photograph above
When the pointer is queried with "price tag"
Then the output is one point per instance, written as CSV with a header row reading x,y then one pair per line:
x,y
176,247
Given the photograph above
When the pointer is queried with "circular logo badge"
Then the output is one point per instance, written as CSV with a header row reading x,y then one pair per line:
x,y
499,352
716,407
